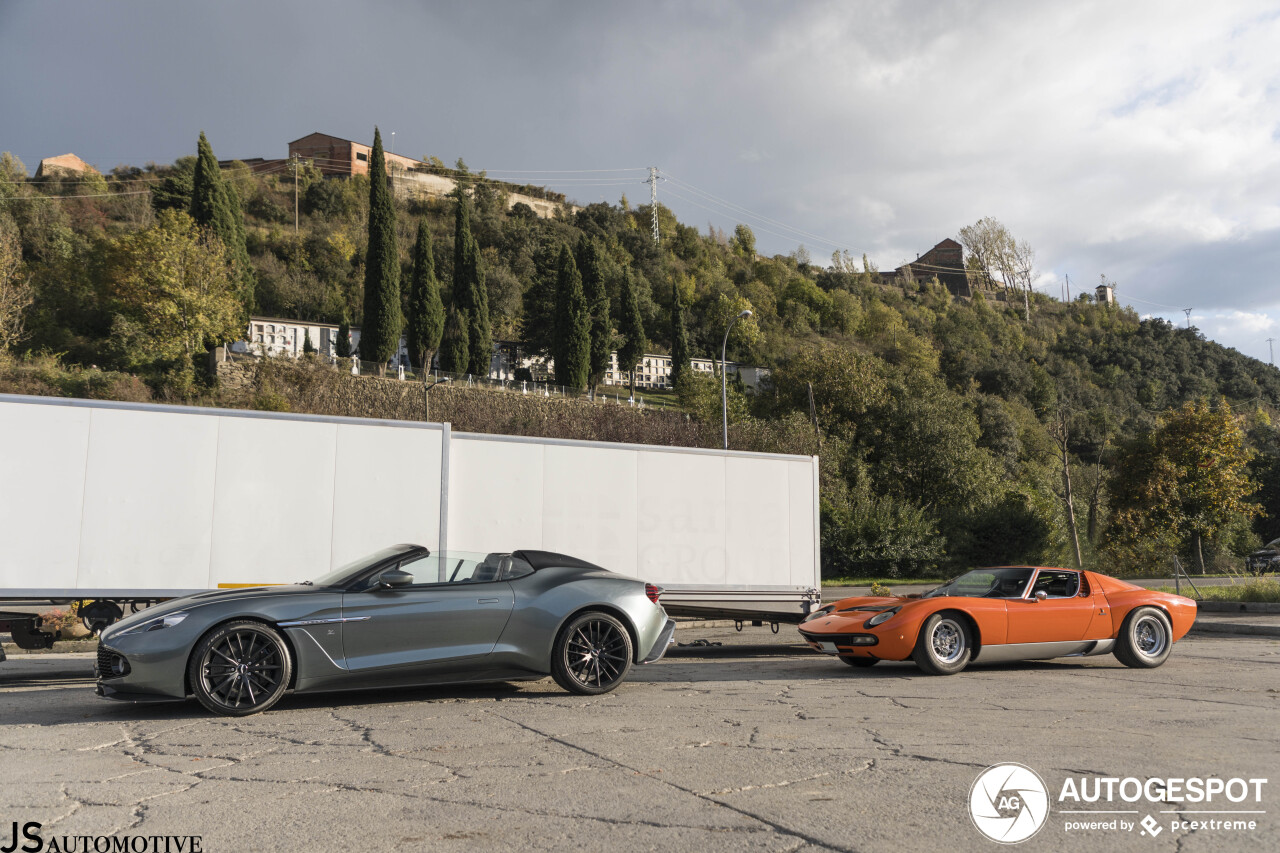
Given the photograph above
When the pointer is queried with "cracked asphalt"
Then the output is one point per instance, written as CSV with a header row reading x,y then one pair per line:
x,y
756,744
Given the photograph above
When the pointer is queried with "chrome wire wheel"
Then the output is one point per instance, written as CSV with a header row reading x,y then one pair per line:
x,y
1150,636
241,668
592,654
948,641
597,653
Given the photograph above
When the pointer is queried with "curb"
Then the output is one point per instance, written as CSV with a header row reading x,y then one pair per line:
x,y
1228,629
1238,606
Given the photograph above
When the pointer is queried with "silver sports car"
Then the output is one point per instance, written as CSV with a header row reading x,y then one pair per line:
x,y
400,617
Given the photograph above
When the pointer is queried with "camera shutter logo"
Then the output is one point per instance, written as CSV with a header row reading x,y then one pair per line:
x,y
1008,803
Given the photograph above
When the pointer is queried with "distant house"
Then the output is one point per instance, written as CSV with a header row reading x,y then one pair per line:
x,y
334,155
945,260
62,166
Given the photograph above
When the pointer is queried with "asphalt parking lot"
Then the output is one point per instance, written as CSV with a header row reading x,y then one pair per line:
x,y
755,744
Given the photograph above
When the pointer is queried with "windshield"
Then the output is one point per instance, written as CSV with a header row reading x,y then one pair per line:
x,y
986,583
339,576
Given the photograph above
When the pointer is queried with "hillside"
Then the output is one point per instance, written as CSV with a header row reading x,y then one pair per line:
x,y
942,420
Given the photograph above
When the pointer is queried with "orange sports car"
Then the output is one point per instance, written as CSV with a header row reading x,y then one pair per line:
x,y
1004,614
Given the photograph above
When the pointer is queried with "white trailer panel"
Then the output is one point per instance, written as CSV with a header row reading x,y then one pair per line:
x,y
43,450
125,501
148,500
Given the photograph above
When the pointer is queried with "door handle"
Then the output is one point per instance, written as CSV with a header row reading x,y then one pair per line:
x,y
487,600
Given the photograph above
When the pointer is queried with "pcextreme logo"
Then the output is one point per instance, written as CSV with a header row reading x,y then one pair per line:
x,y
1009,803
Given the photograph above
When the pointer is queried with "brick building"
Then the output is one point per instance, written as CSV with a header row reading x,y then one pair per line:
x,y
945,260
336,156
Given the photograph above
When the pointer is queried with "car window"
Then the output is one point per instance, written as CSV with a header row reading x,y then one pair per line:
x,y
1057,583
987,583
464,567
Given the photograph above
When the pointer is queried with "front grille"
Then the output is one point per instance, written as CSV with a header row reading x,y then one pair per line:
x,y
111,664
842,639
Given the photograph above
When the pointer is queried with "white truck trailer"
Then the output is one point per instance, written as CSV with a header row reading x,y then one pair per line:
x,y
120,504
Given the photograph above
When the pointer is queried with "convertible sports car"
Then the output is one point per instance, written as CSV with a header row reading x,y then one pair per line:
x,y
1004,614
400,617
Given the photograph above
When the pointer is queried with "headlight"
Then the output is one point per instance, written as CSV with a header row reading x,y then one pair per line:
x,y
166,621
820,612
882,617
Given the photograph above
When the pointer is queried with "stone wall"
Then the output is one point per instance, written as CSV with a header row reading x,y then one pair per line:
x,y
313,387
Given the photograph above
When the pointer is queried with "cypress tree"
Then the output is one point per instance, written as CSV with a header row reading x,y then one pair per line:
x,y
573,325
308,348
425,324
343,348
631,326
469,292
597,296
215,205
454,350
680,364
380,331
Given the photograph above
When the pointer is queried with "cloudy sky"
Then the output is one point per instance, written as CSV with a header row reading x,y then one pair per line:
x,y
1136,140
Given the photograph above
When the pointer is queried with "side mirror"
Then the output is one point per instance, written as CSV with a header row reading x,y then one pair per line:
x,y
1041,595
394,578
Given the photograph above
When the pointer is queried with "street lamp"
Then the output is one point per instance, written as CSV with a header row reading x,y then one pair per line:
x,y
426,394
724,380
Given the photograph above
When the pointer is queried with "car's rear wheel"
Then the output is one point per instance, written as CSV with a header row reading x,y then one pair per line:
x,y
592,655
1146,638
860,663
240,668
944,644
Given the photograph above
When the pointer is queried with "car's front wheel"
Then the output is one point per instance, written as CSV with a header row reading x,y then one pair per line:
x,y
240,668
944,644
1146,638
592,655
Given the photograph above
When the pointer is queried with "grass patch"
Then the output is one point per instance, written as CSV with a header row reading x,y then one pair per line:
x,y
1262,590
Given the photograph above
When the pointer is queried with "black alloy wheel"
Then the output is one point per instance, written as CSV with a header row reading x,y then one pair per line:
x,y
240,668
592,655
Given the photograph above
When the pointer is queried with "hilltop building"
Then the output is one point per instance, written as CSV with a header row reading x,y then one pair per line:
x,y
63,166
945,260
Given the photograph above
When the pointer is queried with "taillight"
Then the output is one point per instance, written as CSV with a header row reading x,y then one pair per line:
x,y
653,592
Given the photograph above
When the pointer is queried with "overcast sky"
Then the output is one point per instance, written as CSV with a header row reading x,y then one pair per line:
x,y
1140,140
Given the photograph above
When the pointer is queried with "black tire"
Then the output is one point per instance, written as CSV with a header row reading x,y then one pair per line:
x,y
592,655
240,668
1146,638
860,663
944,645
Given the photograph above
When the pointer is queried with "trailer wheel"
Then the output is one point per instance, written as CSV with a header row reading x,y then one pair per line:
x,y
97,615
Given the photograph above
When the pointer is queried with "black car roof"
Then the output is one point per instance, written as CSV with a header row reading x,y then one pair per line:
x,y
548,559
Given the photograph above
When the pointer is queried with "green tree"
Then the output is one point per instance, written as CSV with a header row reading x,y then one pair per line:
x,y
16,294
1178,485
425,324
343,348
743,242
597,296
170,294
13,175
632,328
216,205
469,292
680,359
380,330
308,348
455,350
572,352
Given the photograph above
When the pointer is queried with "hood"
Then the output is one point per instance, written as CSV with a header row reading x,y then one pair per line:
x,y
200,599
